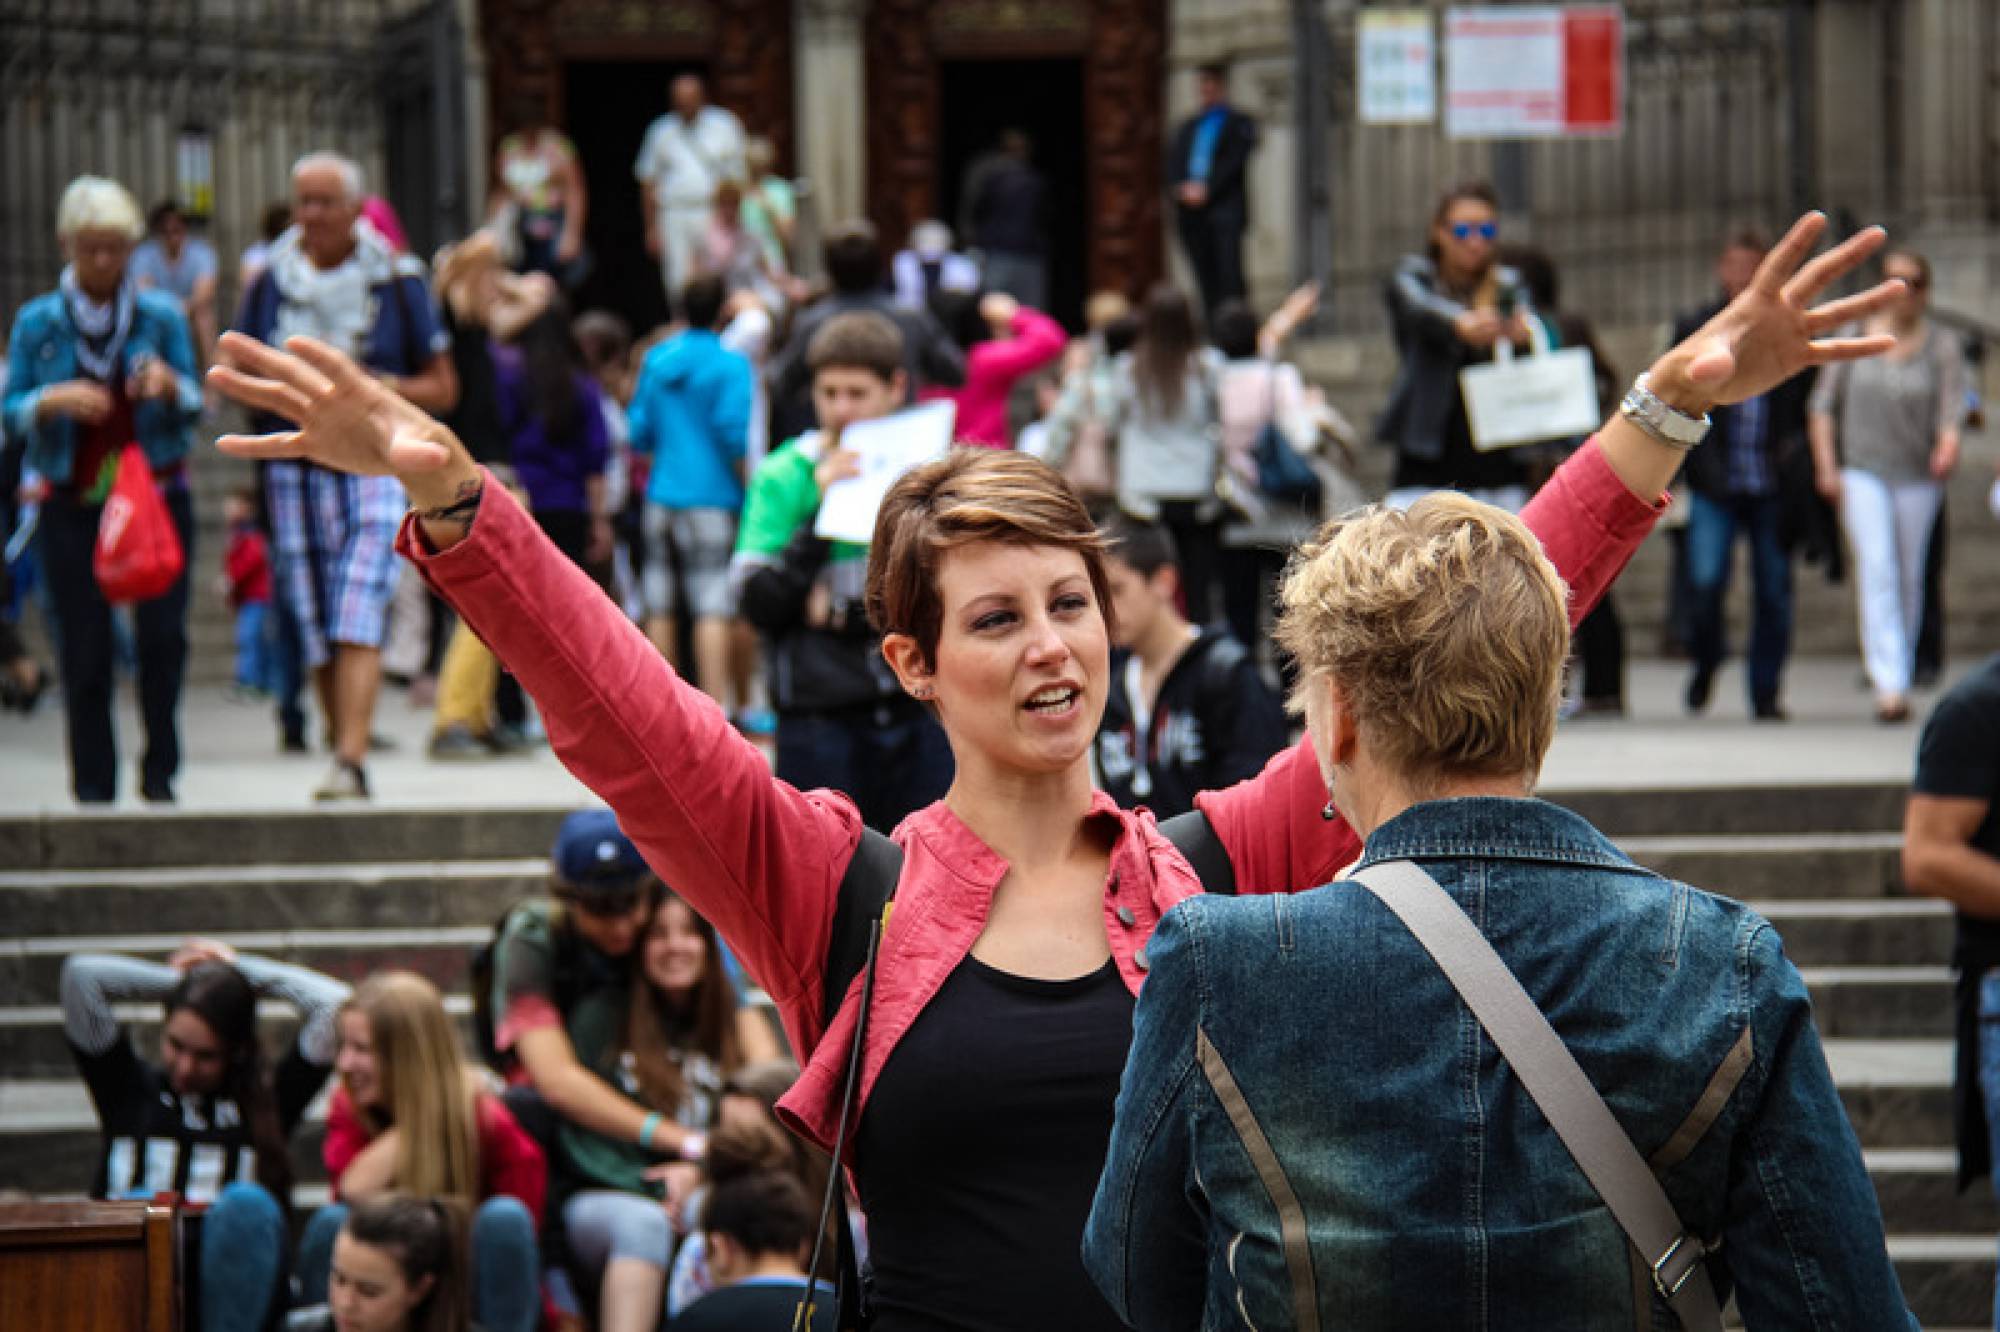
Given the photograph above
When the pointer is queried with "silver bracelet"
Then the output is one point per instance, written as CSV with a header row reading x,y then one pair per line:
x,y
1676,429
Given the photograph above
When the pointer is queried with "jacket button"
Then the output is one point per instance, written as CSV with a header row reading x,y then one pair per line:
x,y
1139,960
1125,916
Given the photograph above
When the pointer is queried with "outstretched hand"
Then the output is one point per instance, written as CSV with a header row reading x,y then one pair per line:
x,y
346,419
1773,330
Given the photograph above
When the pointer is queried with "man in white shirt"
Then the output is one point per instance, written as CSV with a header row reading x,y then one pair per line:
x,y
686,154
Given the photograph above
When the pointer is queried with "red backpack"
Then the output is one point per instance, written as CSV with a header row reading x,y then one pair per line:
x,y
139,554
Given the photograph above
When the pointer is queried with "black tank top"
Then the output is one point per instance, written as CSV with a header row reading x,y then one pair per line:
x,y
980,1148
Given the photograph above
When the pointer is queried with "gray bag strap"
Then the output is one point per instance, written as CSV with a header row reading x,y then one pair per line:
x,y
1558,1085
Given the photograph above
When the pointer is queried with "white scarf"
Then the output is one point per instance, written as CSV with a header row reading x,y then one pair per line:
x,y
101,328
332,304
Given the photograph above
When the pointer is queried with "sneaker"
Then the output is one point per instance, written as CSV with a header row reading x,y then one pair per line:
x,y
292,740
157,793
1769,710
343,781
509,739
459,741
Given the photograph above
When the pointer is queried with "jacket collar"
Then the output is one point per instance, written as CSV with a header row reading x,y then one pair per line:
x,y
1491,828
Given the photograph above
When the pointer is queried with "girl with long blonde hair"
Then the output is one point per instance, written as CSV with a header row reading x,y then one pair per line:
x,y
411,1115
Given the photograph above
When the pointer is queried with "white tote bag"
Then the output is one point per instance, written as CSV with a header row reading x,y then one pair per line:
x,y
1545,395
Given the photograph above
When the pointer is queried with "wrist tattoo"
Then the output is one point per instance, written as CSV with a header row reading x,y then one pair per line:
x,y
462,509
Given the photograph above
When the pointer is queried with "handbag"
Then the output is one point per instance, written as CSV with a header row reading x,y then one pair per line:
x,y
1558,1085
1088,467
1547,394
1282,474
138,555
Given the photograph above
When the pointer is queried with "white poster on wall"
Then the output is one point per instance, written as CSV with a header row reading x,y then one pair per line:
x,y
1534,71
1396,67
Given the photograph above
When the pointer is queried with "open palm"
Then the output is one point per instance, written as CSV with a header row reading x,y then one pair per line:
x,y
344,419
1773,331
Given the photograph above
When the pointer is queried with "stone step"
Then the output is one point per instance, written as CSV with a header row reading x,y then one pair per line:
x,y
1878,1003
1897,1093
114,840
1715,811
53,903
1947,1279
29,968
1757,866
1892,932
166,838
1918,1189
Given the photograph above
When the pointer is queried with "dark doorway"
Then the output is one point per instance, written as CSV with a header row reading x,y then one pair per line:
x,y
607,107
1044,100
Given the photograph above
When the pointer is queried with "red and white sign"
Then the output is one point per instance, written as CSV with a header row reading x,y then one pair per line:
x,y
1534,71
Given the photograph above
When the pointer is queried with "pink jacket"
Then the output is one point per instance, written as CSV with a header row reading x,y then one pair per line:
x,y
763,861
993,368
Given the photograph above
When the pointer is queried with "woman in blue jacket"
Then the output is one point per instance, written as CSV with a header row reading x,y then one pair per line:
x,y
93,366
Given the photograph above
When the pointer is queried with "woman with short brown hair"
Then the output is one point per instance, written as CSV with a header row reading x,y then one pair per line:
x,y
1001,1009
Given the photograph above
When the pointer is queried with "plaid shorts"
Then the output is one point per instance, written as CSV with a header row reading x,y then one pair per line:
x,y
335,537
687,560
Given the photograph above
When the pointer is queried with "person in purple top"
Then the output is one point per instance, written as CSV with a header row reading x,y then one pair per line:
x,y
553,417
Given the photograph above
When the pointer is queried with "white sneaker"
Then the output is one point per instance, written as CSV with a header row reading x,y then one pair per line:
x,y
343,781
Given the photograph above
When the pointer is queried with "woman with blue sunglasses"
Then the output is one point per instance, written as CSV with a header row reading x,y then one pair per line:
x,y
1448,308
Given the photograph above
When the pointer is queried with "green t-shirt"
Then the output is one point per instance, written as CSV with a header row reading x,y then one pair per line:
x,y
783,496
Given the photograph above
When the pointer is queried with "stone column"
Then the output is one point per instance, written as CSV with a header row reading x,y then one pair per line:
x,y
831,85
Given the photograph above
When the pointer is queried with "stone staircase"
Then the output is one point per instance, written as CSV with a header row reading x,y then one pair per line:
x,y
353,891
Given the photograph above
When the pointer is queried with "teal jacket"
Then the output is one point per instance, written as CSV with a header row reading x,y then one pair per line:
x,y
41,352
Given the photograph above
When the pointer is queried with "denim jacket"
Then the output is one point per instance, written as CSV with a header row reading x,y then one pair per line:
x,y
1314,1132
41,352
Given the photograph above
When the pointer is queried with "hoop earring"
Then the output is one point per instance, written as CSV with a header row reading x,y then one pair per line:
x,y
1329,813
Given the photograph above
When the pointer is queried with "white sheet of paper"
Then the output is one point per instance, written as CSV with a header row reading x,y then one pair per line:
x,y
889,446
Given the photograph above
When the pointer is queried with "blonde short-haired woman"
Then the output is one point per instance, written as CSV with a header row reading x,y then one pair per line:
x,y
1314,1130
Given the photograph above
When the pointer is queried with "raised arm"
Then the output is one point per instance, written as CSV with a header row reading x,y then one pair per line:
x,y
758,858
1591,515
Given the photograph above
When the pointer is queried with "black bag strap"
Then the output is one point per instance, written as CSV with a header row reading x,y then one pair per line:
x,y
1194,837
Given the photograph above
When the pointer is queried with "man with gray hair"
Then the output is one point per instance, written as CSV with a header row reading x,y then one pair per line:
x,y
334,278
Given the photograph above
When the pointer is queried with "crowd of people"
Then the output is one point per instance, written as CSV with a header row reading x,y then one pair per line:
x,y
1059,674
611,1125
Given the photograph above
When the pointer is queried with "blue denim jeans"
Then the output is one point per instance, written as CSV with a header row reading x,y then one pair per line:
x,y
1713,526
243,1243
506,1264
253,646
1989,1076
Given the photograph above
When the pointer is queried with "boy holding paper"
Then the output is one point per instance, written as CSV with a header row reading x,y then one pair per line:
x,y
843,721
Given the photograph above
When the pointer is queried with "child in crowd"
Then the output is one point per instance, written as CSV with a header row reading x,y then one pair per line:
x,y
758,1232
1187,710
691,417
246,585
411,1116
207,1122
398,1265
843,721
667,1041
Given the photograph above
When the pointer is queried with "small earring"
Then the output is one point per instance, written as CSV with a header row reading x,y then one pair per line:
x,y
921,693
1329,813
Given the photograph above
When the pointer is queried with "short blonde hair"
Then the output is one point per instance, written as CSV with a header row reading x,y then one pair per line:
x,y
1445,628
93,203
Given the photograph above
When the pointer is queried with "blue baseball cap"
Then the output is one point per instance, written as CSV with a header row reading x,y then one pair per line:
x,y
593,856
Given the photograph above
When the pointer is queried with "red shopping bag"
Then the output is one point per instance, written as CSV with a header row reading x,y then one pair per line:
x,y
139,553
